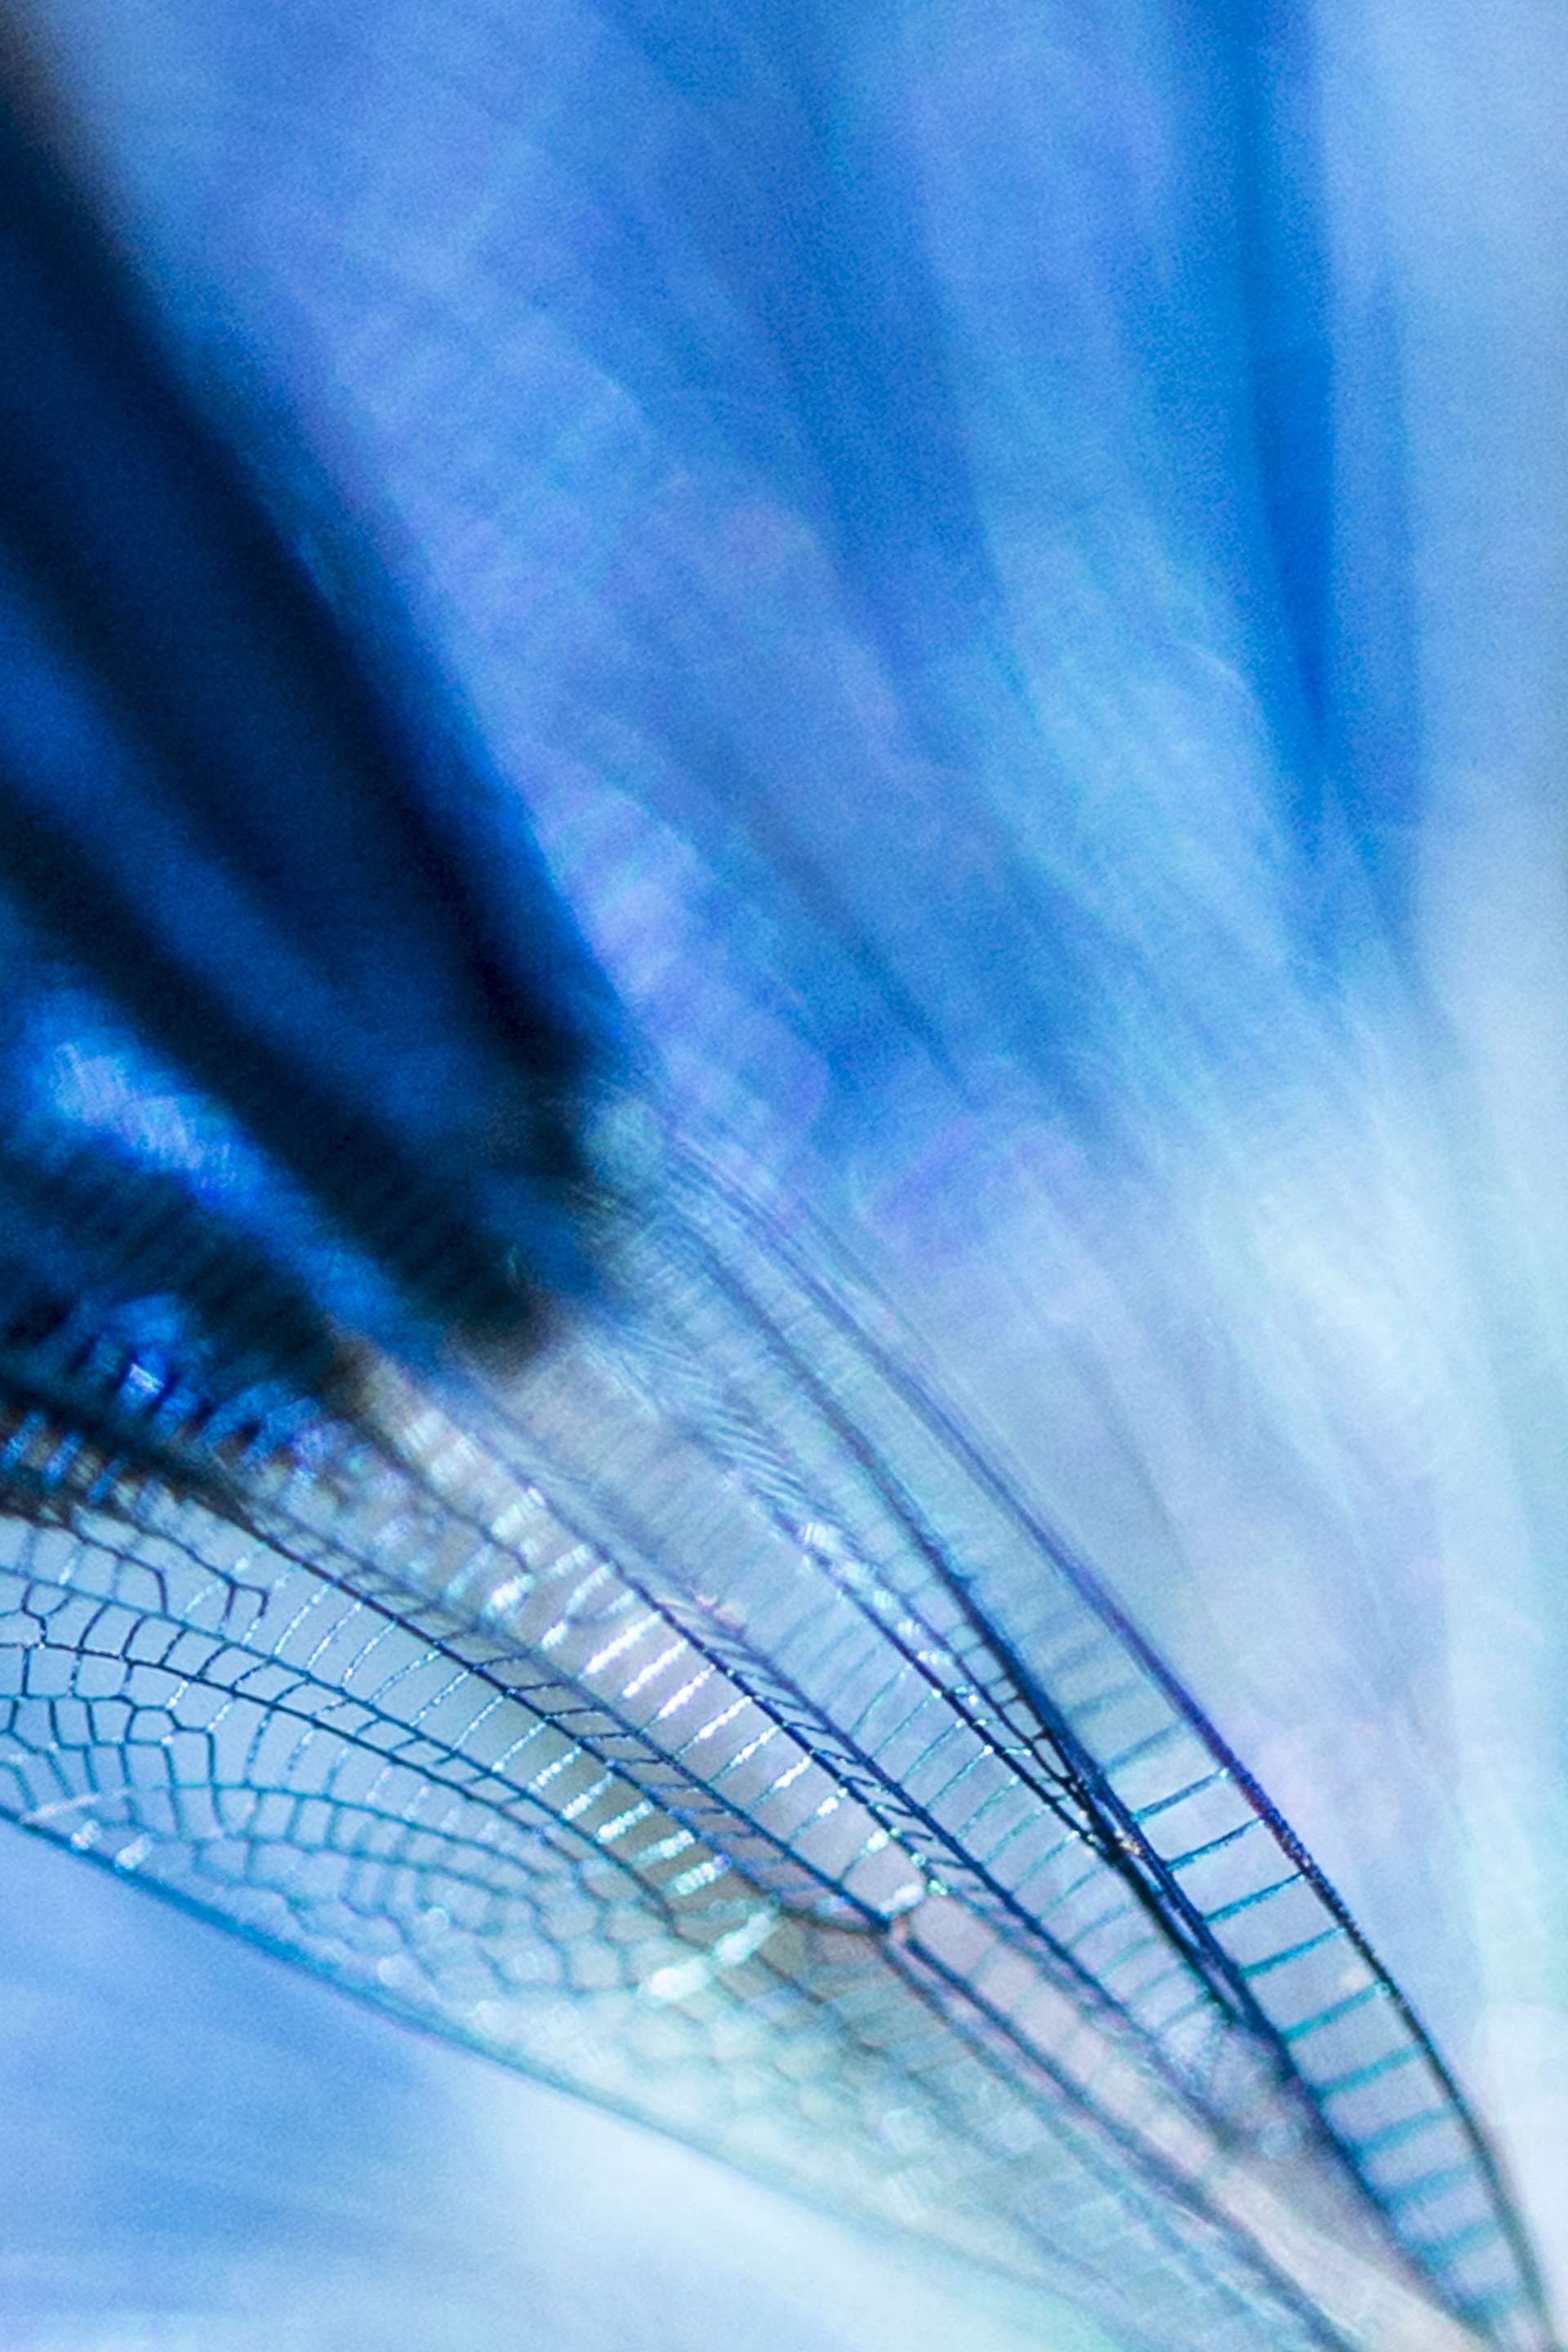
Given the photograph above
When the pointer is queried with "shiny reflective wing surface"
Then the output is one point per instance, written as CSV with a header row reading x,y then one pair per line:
x,y
703,1719
677,1694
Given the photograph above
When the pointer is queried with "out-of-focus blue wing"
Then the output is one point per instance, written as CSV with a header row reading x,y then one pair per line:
x,y
246,842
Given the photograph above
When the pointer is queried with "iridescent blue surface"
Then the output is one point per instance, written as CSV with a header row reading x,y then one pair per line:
x,y
1016,561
